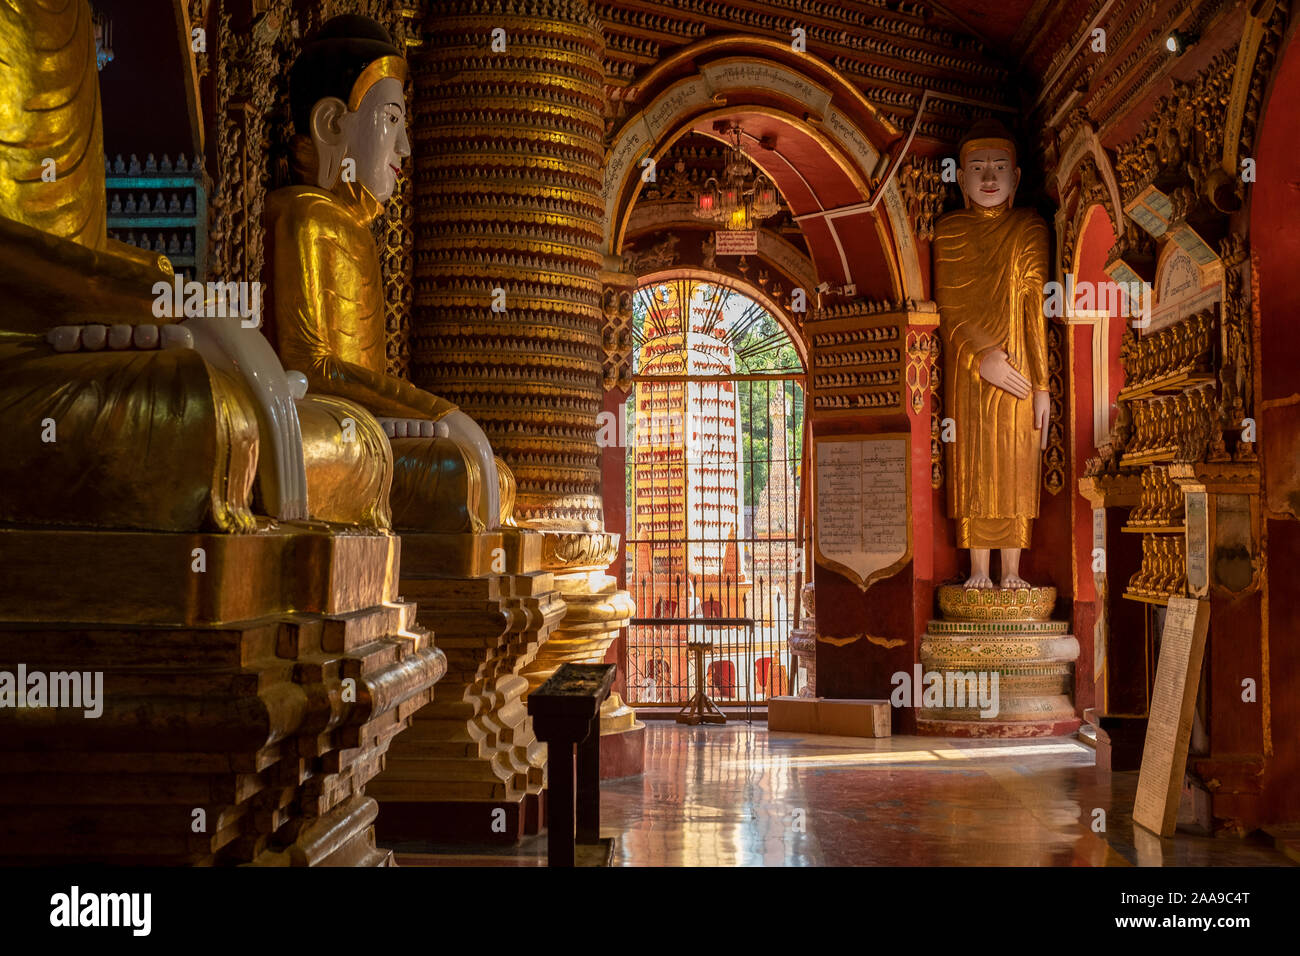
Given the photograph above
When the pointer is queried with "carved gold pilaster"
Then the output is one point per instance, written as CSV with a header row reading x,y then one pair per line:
x,y
924,376
617,288
1054,454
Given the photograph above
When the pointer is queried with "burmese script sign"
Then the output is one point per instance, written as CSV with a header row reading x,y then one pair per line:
x,y
863,524
1169,724
736,242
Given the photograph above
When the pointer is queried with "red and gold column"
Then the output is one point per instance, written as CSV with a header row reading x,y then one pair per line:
x,y
508,144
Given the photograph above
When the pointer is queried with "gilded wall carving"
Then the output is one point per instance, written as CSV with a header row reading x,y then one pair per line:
x,y
1054,454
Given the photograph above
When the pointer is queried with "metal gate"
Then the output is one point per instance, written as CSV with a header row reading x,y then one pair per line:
x,y
715,458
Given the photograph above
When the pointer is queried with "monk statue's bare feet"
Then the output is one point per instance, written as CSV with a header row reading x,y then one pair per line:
x,y
982,581
1013,581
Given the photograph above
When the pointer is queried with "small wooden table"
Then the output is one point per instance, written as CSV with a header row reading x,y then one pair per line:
x,y
566,713
700,709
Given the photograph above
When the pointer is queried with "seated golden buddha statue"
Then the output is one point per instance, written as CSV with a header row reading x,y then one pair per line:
x,y
116,421
136,418
326,299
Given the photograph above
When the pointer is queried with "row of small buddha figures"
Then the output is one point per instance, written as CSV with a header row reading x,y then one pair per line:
x,y
161,205
1164,567
152,167
1161,503
887,376
1179,424
872,357
869,400
883,333
172,245
1185,347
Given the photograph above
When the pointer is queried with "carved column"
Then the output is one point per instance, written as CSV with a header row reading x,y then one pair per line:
x,y
508,320
508,210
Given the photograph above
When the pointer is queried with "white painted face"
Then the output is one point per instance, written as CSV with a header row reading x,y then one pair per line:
x,y
375,137
988,177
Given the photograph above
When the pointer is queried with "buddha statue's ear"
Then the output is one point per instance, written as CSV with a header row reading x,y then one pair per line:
x,y
1015,185
330,138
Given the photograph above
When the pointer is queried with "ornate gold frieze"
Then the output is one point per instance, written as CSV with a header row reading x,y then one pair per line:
x,y
1183,136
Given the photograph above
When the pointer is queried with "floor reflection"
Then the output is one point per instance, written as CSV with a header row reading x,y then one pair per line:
x,y
738,795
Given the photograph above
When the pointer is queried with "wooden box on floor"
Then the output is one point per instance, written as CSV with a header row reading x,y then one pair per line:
x,y
821,715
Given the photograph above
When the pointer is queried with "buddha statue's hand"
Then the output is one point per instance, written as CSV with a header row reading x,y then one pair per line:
x,y
1042,414
996,369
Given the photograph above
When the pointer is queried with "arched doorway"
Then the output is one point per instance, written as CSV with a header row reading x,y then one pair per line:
x,y
715,453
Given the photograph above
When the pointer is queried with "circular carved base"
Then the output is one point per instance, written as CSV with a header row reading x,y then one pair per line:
x,y
960,603
1032,661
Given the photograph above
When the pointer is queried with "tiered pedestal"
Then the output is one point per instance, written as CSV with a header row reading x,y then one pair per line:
x,y
471,770
1006,632
245,705
596,609
803,644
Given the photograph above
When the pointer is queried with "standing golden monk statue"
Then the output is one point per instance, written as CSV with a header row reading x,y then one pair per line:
x,y
990,266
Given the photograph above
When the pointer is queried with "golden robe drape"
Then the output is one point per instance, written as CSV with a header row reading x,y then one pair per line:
x,y
990,266
327,300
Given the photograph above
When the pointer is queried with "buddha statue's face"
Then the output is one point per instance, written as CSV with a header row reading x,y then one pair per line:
x,y
988,177
373,137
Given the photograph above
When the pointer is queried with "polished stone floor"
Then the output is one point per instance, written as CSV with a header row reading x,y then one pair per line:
x,y
737,795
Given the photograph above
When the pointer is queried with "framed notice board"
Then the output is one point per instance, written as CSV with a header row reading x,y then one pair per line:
x,y
862,525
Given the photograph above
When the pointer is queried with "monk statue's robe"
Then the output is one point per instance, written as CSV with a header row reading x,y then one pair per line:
x,y
327,307
990,265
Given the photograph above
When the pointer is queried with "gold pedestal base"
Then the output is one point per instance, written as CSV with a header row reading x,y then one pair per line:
x,y
998,634
244,709
475,743
595,611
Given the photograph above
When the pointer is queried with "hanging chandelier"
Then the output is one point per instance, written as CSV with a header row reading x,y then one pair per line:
x,y
103,32
743,198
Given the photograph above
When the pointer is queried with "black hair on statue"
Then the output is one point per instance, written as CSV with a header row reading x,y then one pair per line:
x,y
331,61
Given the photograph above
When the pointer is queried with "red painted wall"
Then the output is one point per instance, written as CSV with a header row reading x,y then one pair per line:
x,y
1274,211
